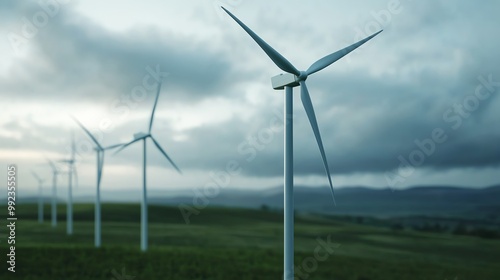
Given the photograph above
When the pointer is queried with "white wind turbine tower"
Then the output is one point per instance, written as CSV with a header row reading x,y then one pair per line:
x,y
288,82
55,172
144,204
71,169
99,149
40,196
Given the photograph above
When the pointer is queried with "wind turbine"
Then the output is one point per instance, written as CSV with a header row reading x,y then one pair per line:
x,y
55,172
144,204
69,208
40,197
287,82
99,149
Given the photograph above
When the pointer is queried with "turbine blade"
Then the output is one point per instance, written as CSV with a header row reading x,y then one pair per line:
x,y
331,58
100,155
75,172
36,175
87,132
306,101
154,107
275,56
73,147
112,146
165,154
126,145
52,165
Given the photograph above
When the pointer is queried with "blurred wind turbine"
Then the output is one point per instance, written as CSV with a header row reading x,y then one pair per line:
x,y
144,204
99,149
40,196
288,82
55,172
71,169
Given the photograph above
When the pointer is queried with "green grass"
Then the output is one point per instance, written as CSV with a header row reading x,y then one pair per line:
x,y
228,243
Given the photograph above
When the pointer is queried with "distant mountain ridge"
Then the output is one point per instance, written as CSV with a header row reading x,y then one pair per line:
x,y
444,201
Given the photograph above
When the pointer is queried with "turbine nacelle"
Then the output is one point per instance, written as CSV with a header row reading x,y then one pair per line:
x,y
284,80
288,80
140,135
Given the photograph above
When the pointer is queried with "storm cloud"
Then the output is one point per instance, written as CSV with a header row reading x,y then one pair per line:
x,y
423,92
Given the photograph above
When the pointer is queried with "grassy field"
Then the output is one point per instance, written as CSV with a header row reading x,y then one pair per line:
x,y
236,244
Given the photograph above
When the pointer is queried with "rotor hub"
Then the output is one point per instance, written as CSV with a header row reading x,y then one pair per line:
x,y
302,76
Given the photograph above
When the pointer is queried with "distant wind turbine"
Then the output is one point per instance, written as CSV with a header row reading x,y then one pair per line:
x,y
288,82
144,204
55,172
71,170
99,149
40,196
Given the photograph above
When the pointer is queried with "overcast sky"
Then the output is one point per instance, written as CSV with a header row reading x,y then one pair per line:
x,y
432,74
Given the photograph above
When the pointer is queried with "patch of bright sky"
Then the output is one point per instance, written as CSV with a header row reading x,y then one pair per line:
x,y
209,111
176,16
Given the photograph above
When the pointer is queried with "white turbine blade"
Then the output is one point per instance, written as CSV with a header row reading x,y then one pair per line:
x,y
73,147
126,145
306,101
165,154
36,176
52,165
64,160
87,132
75,172
275,56
100,155
154,107
331,58
112,146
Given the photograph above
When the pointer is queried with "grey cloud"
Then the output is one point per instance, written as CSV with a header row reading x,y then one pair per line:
x,y
368,116
74,59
